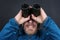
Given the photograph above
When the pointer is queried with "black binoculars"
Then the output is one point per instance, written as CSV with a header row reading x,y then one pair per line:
x,y
26,11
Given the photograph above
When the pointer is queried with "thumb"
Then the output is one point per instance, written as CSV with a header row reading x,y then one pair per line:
x,y
19,15
26,19
43,13
33,17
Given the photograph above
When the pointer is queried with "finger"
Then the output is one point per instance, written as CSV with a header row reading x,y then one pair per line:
x,y
18,16
26,19
20,13
33,17
42,12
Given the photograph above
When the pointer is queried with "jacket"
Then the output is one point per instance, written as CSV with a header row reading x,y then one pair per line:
x,y
13,31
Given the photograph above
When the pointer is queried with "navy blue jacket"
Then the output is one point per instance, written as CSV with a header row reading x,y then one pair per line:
x,y
12,31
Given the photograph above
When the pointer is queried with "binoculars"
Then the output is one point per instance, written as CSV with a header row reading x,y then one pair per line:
x,y
26,11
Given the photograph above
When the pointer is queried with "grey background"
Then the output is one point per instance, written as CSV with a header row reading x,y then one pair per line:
x,y
9,8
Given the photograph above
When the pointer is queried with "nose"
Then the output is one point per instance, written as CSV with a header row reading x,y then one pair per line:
x,y
30,21
30,6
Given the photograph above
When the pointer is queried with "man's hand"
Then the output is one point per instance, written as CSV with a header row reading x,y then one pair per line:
x,y
21,19
40,18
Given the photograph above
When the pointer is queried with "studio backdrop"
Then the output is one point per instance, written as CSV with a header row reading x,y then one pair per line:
x,y
9,8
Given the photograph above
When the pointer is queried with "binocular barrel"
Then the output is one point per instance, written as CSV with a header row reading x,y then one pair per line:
x,y
26,11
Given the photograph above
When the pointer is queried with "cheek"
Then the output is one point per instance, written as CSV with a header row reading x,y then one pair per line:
x,y
35,28
26,27
34,24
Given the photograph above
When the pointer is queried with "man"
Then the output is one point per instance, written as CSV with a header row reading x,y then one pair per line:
x,y
14,31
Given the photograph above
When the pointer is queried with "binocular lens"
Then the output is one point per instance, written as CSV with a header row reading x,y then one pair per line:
x,y
25,10
24,6
36,10
36,6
